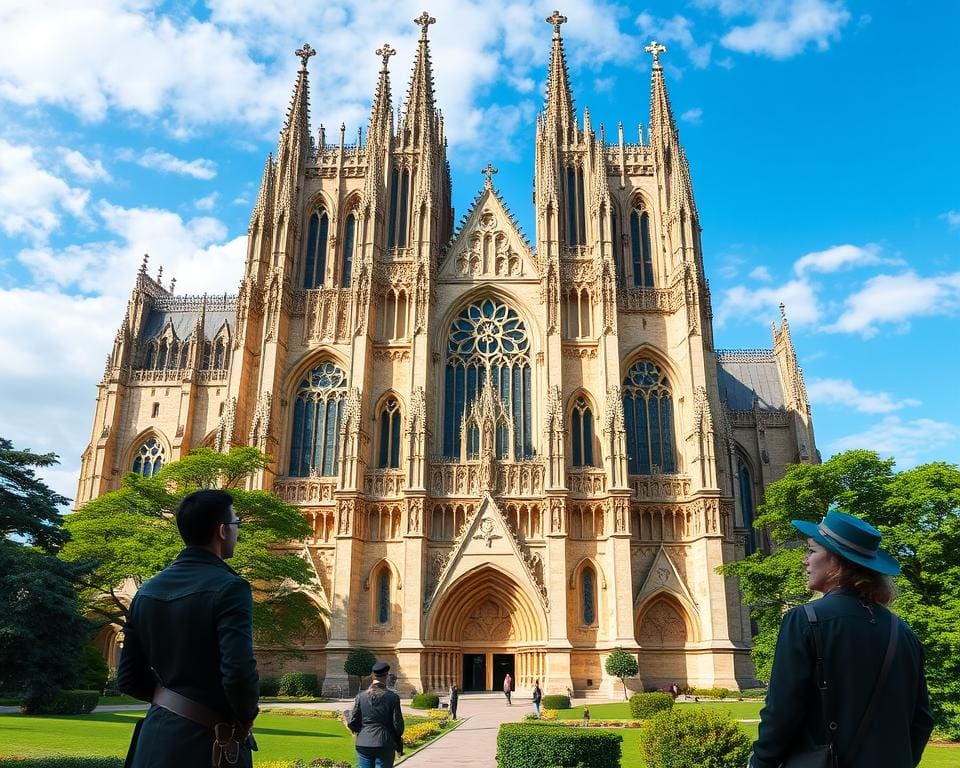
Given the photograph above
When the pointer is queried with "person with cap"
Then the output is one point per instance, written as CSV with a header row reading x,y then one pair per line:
x,y
377,721
848,676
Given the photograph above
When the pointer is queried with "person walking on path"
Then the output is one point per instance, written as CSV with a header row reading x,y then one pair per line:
x,y
377,721
454,697
849,674
188,648
507,687
537,697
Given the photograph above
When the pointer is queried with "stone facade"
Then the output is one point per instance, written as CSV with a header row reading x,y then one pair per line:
x,y
512,457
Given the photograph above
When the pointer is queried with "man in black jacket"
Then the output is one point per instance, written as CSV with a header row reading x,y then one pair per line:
x,y
377,721
188,648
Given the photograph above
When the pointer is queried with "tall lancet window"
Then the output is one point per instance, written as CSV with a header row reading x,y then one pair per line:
x,y
588,596
383,595
640,250
575,212
746,504
317,410
488,344
389,454
648,419
398,224
581,433
349,243
315,261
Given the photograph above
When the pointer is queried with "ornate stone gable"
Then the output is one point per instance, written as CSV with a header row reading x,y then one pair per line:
x,y
663,576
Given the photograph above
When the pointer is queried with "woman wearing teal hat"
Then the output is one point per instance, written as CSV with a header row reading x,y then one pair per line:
x,y
847,687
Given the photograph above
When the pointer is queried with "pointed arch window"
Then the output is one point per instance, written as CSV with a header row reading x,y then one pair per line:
x,y
641,253
219,354
745,484
581,433
315,263
648,419
488,353
389,453
575,210
398,223
150,361
588,596
383,595
149,458
349,241
317,411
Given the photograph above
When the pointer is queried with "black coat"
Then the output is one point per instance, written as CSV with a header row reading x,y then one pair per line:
x,y
376,718
855,637
190,629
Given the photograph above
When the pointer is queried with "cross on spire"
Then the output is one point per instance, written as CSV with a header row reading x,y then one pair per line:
x,y
488,171
424,20
386,51
655,49
305,53
556,19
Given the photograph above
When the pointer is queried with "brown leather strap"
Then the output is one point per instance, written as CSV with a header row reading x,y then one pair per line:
x,y
188,708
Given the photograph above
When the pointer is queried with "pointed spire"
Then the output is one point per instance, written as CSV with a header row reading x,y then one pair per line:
x,y
294,147
382,107
559,107
298,116
262,208
420,111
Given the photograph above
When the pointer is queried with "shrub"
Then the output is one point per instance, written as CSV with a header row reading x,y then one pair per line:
x,y
269,686
713,693
359,663
419,732
92,670
646,705
62,703
682,737
532,745
298,684
425,701
556,701
61,761
546,715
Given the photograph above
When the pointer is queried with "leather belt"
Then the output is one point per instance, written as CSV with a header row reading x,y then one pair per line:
x,y
188,708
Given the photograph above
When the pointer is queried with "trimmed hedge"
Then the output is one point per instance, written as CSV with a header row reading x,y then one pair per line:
x,y
530,745
425,701
714,693
683,737
298,684
63,703
555,701
61,761
646,705
269,686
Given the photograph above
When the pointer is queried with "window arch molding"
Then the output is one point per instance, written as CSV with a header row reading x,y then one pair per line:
x,y
383,583
747,493
313,268
583,562
687,612
595,453
140,440
651,354
348,243
587,575
657,355
640,251
379,409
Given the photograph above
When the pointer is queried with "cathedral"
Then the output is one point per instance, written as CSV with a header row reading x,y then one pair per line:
x,y
515,457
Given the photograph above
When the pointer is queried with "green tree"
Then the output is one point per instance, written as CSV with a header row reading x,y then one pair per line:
x,y
918,513
359,662
623,665
28,508
131,533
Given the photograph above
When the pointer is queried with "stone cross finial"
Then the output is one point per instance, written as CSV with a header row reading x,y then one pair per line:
x,y
424,20
556,19
655,49
386,50
305,53
488,171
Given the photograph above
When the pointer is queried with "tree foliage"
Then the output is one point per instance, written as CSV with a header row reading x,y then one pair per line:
x,y
131,533
623,665
28,508
918,513
359,662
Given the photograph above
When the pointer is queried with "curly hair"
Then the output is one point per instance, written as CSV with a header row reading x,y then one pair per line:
x,y
870,586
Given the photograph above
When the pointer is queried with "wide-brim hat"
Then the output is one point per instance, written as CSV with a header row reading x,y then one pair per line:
x,y
852,539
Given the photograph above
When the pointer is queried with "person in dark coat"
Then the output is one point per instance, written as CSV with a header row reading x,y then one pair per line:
x,y
845,563
377,721
188,648
454,699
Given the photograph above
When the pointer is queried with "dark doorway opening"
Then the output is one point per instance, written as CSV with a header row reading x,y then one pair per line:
x,y
502,665
474,671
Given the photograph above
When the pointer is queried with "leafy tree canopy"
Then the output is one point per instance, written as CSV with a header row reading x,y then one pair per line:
x,y
28,508
918,513
623,665
359,662
131,533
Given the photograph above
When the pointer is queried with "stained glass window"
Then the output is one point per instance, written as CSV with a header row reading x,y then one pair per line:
x,y
383,595
746,504
648,419
149,459
640,250
581,434
399,208
317,410
315,263
576,224
390,435
349,237
588,595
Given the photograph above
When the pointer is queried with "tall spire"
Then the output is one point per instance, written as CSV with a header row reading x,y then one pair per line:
x,y
293,148
382,109
420,113
559,106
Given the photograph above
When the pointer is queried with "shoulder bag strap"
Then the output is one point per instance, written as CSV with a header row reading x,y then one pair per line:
x,y
875,698
822,684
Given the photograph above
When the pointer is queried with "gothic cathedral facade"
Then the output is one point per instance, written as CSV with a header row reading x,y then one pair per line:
x,y
514,458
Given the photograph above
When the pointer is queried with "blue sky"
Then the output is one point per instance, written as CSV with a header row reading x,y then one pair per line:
x,y
821,136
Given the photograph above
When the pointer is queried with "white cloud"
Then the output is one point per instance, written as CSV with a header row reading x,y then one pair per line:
x,y
781,28
33,200
897,299
844,393
952,218
679,30
692,116
762,304
840,257
158,160
761,273
207,203
82,167
909,442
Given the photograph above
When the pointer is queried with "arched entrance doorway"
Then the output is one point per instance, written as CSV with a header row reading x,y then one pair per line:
x,y
484,626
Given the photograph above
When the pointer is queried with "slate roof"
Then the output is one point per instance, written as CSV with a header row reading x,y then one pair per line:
x,y
183,311
745,374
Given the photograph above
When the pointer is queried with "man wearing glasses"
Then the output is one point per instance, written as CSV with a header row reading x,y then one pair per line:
x,y
188,648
